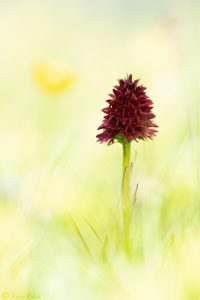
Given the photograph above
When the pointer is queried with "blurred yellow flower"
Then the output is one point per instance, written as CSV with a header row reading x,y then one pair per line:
x,y
53,76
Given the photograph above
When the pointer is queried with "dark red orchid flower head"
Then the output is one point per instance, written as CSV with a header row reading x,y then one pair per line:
x,y
128,116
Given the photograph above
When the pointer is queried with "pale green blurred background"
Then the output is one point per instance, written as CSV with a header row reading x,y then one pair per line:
x,y
58,61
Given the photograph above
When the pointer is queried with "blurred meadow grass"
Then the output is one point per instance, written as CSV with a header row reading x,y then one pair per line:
x,y
59,189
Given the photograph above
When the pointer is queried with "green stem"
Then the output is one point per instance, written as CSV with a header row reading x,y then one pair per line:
x,y
126,192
